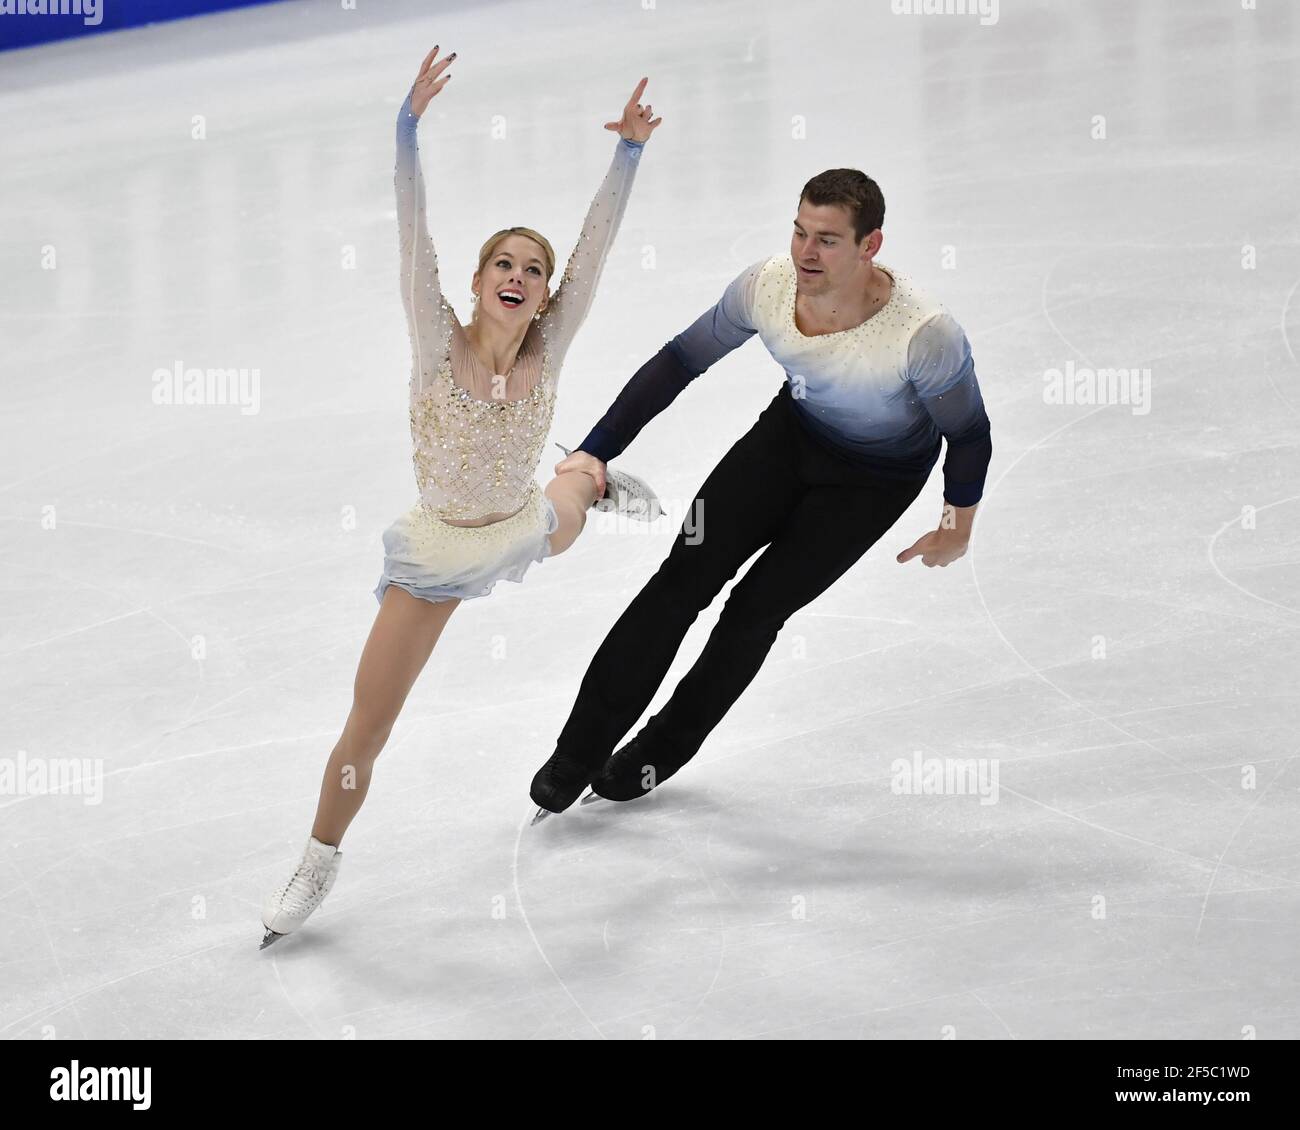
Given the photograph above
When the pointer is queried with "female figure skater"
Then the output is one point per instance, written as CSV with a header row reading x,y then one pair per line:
x,y
482,397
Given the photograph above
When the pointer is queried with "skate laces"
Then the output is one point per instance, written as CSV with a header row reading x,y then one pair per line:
x,y
307,884
631,497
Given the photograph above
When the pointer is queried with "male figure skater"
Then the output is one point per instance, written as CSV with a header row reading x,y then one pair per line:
x,y
876,371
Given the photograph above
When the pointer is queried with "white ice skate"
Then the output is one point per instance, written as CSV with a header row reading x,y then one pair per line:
x,y
288,907
626,494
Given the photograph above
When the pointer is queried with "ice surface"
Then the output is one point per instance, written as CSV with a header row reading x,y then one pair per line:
x,y
184,590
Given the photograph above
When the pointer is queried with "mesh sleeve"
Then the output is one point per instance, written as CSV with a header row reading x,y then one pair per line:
x,y
427,314
573,297
654,386
941,369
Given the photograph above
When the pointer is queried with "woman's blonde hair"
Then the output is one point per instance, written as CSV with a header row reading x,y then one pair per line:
x,y
489,248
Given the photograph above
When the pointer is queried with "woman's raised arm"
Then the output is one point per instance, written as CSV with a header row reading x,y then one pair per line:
x,y
427,315
573,297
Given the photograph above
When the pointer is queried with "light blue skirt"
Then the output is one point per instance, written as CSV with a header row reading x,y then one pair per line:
x,y
436,561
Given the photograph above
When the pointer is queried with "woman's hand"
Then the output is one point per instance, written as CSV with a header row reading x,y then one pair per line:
x,y
428,82
635,125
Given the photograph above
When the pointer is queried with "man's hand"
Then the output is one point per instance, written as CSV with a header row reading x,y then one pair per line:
x,y
938,547
943,546
581,461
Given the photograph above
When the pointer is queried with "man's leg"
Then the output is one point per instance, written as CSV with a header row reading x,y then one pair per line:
x,y
736,511
827,532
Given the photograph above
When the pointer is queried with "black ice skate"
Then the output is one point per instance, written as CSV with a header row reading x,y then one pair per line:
x,y
560,782
632,772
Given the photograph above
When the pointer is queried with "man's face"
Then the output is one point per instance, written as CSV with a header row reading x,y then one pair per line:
x,y
822,246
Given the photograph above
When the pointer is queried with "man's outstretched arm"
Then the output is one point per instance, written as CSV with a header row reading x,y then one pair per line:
x,y
942,370
652,388
657,383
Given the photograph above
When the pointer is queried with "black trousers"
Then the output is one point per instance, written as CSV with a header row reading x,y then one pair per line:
x,y
779,487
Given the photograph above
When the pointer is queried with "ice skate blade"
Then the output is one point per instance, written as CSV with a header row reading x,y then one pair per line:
x,y
591,798
269,939
542,814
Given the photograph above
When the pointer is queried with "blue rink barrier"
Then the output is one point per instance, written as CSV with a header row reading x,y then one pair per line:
x,y
24,23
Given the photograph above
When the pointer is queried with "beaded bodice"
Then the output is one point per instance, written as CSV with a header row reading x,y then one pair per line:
x,y
476,456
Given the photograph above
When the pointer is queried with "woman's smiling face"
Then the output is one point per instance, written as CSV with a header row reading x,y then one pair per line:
x,y
512,285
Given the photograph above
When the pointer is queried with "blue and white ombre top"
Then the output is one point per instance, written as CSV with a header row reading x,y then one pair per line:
x,y
881,393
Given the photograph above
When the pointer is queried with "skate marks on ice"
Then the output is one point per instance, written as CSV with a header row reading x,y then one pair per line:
x,y
679,850
523,914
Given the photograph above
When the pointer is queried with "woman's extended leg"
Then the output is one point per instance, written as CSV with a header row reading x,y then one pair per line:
x,y
572,493
399,645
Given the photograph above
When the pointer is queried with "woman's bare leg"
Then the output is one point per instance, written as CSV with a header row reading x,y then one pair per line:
x,y
399,645
573,493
